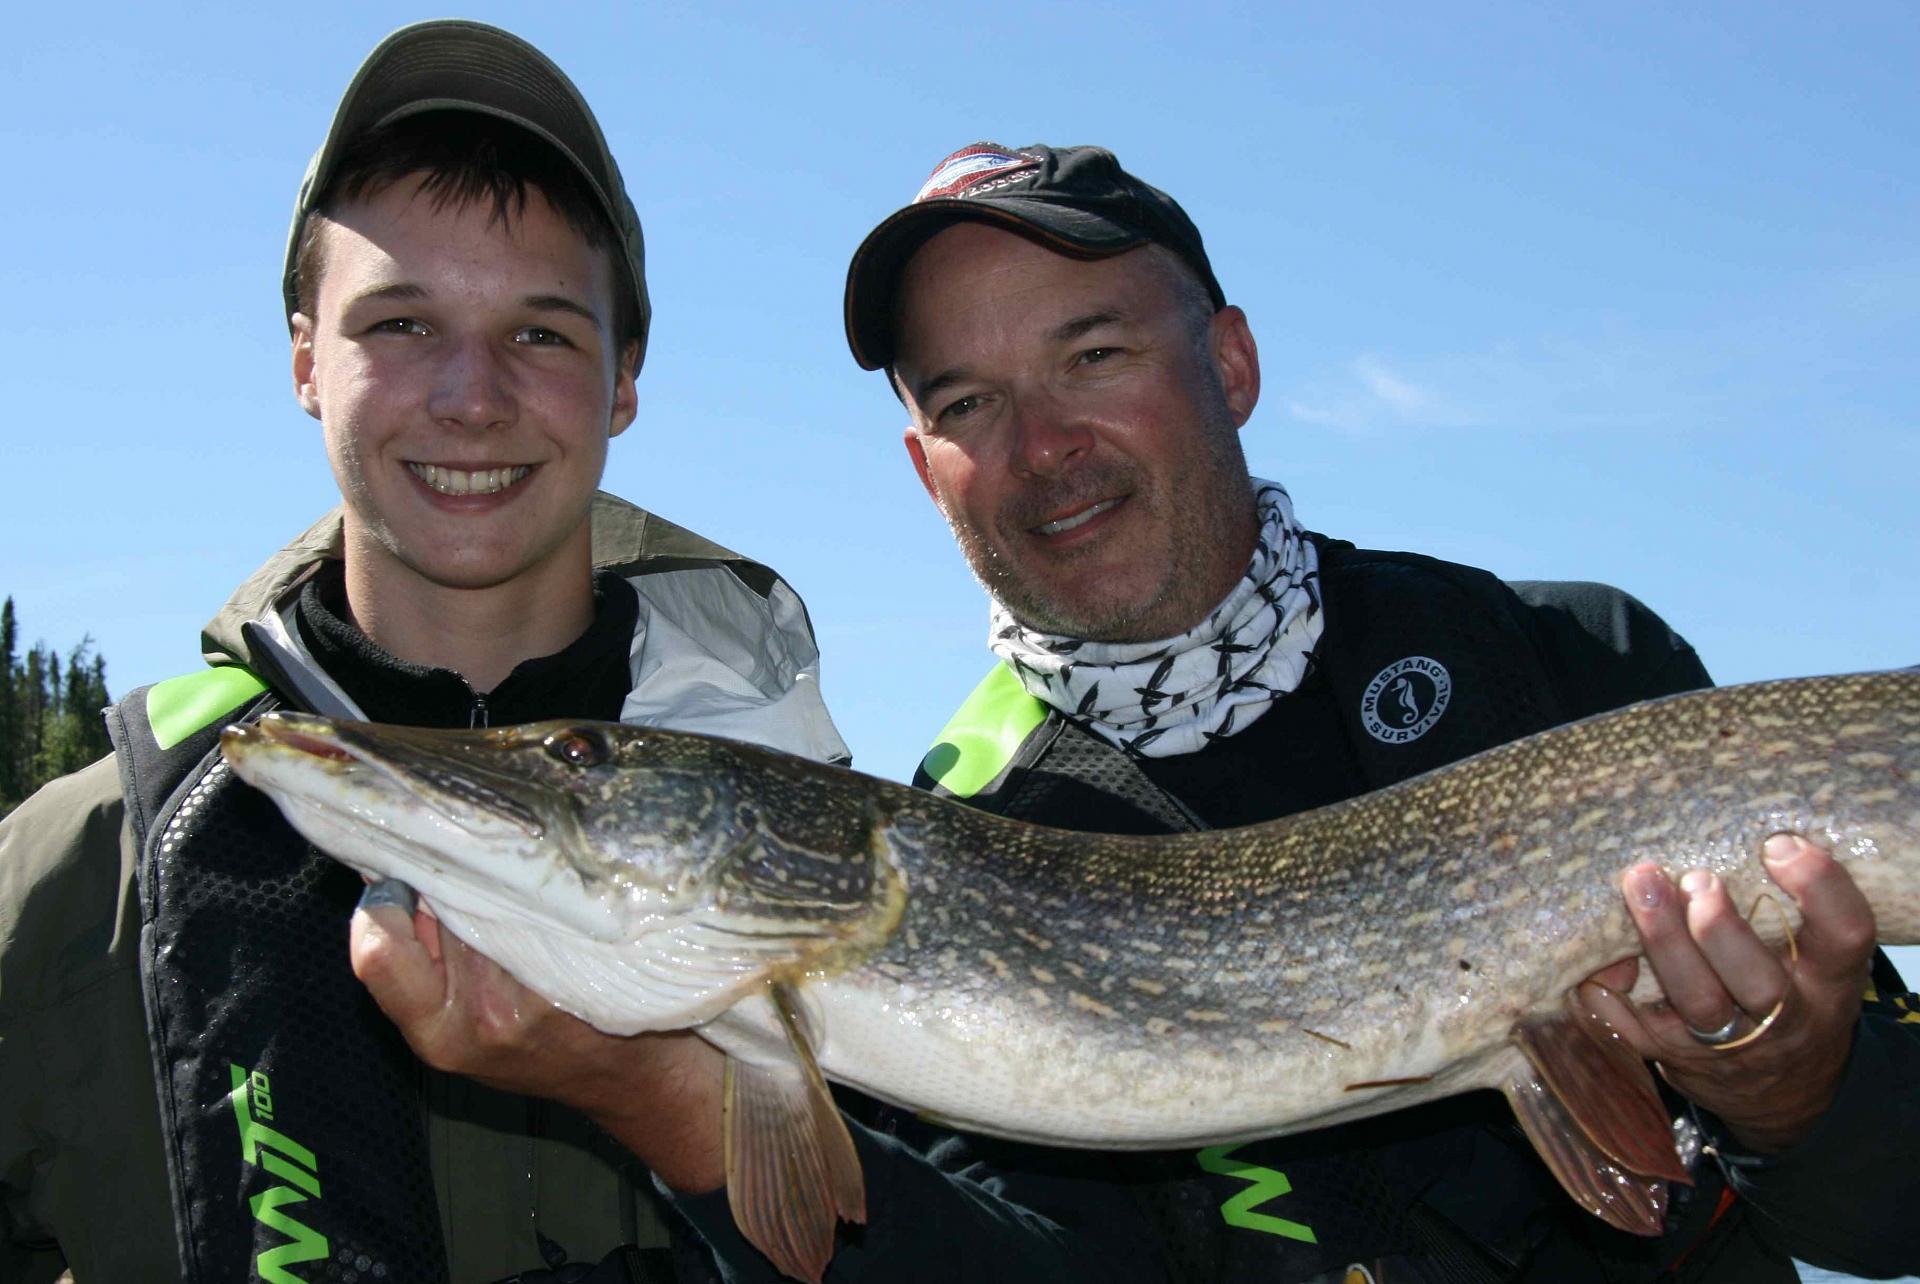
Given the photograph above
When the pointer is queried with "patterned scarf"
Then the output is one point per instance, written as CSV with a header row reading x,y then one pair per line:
x,y
1172,696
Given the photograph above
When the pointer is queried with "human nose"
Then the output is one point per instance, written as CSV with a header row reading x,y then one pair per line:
x,y
470,388
1047,436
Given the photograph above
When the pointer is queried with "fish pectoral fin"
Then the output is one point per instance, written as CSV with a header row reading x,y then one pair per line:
x,y
1607,1089
792,1172
1615,1191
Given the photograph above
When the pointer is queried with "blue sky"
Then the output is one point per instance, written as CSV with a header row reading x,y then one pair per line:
x,y
1628,294
1625,292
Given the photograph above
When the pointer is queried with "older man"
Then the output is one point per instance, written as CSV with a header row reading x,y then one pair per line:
x,y
1179,652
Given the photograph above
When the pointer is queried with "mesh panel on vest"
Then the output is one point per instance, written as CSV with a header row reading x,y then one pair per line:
x,y
248,952
1120,793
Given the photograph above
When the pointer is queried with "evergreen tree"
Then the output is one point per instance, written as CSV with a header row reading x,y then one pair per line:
x,y
9,709
50,721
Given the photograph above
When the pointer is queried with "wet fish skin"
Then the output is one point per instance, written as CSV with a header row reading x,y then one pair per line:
x,y
1097,990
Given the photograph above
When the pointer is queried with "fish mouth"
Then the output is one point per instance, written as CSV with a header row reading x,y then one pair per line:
x,y
424,807
404,767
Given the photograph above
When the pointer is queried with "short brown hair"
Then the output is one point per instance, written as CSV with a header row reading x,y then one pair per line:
x,y
465,157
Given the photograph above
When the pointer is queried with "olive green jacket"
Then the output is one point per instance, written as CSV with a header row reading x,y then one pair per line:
x,y
83,1178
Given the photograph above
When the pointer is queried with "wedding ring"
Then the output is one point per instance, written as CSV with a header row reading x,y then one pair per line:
x,y
1722,1036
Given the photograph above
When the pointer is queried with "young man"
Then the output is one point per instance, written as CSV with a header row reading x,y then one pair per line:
x,y
1179,653
193,1083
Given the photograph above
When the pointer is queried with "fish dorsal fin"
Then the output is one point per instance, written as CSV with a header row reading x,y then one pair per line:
x,y
1591,1111
792,1172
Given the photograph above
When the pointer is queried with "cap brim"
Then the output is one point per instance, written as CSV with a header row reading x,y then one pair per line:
x,y
873,278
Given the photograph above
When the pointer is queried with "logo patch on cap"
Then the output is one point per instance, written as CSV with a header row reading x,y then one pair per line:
x,y
971,165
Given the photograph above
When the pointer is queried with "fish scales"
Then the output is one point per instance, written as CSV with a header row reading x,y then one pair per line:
x,y
1112,991
1264,970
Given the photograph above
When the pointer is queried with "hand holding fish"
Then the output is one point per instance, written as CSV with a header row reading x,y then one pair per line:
x,y
657,1094
1768,1079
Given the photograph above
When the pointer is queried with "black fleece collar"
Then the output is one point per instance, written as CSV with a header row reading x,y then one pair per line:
x,y
588,679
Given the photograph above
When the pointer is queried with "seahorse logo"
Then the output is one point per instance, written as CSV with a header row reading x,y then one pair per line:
x,y
1405,699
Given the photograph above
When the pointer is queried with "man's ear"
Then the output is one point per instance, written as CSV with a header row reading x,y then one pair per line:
x,y
1237,360
917,451
303,386
626,398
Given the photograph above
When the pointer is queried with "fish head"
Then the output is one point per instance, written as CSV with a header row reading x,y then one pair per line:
x,y
616,833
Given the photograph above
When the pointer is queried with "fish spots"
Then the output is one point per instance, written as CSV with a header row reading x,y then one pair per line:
x,y
1588,820
1145,986
1534,855
1041,999
1274,1025
1099,953
1043,976
1159,1027
1870,759
1297,975
1577,865
998,964
1087,1003
1205,1016
1874,797
1420,918
1034,939
1650,835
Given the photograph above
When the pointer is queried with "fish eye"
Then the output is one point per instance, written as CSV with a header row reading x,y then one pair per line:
x,y
578,747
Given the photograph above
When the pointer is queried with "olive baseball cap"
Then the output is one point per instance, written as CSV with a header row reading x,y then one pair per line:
x,y
1073,200
451,64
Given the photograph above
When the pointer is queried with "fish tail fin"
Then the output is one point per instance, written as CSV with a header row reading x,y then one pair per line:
x,y
792,1172
1589,1106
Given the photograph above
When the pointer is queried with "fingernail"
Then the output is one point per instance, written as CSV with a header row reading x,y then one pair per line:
x,y
1647,886
1696,882
1781,849
388,891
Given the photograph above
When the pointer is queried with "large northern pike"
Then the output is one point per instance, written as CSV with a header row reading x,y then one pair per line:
x,y
1093,990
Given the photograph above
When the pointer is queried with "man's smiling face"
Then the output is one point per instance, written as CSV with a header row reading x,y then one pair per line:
x,y
1077,423
464,369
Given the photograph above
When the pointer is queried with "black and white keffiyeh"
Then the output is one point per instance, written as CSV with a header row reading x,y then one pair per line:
x,y
1174,695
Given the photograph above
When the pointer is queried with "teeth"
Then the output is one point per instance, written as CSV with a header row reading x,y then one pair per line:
x,y
455,481
1080,518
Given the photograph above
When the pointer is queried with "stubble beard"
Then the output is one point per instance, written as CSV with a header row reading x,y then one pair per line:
x,y
1220,515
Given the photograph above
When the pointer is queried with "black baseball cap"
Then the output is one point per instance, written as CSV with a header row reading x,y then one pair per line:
x,y
1074,200
452,64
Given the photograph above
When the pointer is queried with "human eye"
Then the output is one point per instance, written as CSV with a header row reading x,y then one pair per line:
x,y
1095,356
960,408
398,325
541,336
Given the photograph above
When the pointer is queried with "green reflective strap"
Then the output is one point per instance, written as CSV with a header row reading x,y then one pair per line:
x,y
181,706
984,734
